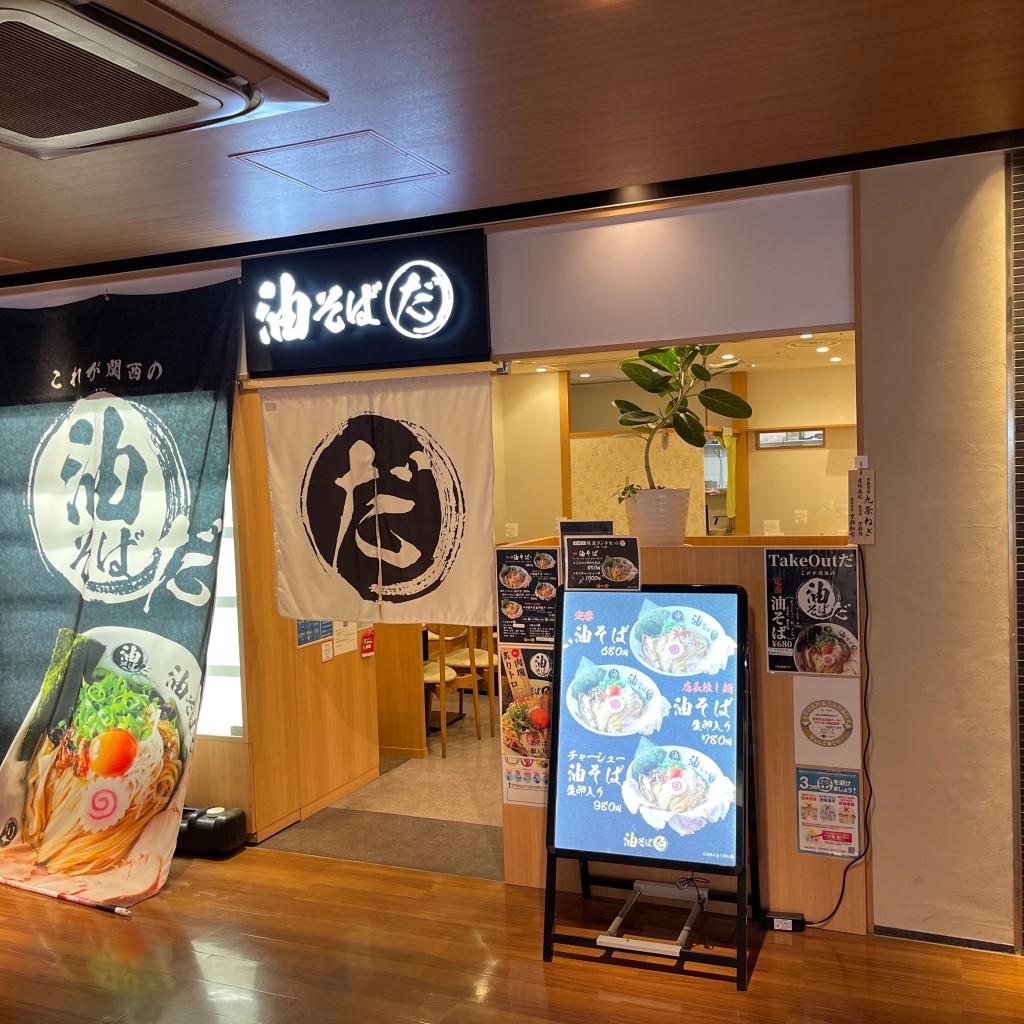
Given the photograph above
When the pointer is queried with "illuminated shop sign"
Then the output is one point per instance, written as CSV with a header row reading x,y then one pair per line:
x,y
406,303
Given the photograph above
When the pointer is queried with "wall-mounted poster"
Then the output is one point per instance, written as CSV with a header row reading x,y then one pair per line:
x,y
828,812
602,563
527,585
115,419
649,737
826,721
813,610
526,677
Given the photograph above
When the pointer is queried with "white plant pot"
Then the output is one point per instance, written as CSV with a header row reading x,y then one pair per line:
x,y
658,518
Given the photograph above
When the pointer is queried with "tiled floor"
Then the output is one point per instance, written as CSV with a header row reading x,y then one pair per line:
x,y
437,814
464,786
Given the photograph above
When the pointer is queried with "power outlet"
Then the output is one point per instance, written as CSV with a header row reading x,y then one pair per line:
x,y
511,529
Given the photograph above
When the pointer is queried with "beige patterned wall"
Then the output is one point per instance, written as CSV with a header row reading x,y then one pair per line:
x,y
601,465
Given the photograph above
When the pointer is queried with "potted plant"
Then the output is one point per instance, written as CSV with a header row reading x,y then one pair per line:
x,y
675,377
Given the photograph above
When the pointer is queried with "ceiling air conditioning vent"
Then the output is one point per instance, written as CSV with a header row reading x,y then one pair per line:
x,y
74,78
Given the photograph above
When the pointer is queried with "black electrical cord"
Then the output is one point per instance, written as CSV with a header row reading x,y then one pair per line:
x,y
864,753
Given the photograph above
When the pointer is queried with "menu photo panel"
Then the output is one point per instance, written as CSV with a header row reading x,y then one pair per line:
x,y
648,736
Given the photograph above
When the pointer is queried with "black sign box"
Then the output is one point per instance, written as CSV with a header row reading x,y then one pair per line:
x,y
409,302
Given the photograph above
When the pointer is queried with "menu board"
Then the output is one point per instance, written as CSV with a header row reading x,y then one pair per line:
x,y
602,563
527,584
812,597
648,734
525,722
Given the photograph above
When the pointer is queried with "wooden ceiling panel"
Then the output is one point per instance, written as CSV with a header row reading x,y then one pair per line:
x,y
525,101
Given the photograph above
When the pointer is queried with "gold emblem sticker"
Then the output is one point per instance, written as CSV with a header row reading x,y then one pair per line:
x,y
826,723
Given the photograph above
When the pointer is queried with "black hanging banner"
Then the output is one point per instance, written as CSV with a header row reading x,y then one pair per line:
x,y
115,414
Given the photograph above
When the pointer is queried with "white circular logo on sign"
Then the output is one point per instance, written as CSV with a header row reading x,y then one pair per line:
x,y
420,299
818,598
108,499
826,723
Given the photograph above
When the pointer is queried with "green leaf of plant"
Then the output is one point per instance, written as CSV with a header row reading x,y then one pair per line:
x,y
685,355
645,377
623,406
636,417
701,372
662,358
725,403
690,430
725,368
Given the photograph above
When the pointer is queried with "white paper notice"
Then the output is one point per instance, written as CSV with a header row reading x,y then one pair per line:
x,y
826,721
345,638
862,506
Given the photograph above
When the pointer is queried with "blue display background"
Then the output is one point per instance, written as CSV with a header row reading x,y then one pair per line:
x,y
580,822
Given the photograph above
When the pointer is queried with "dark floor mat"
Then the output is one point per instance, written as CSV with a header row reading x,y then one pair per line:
x,y
449,847
389,762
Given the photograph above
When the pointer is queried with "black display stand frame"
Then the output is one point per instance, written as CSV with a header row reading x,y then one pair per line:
x,y
746,899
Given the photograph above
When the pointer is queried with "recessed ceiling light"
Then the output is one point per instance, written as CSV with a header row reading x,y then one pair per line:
x,y
542,369
753,366
836,359
806,337
821,348
728,356
583,376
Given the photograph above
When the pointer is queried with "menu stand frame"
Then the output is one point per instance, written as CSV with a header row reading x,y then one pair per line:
x,y
748,911
747,901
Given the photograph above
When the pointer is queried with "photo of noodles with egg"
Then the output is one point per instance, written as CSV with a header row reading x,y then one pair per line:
x,y
617,569
104,753
615,700
826,649
676,786
515,577
525,725
680,641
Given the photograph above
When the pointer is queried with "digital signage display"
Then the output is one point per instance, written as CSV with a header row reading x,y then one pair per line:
x,y
648,724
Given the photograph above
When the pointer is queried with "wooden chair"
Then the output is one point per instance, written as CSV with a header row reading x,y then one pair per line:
x,y
480,664
439,678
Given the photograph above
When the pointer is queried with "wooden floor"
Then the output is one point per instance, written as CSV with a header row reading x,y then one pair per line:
x,y
276,937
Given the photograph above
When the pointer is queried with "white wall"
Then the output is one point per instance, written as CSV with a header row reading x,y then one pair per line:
x,y
781,483
530,457
935,428
772,264
802,398
785,482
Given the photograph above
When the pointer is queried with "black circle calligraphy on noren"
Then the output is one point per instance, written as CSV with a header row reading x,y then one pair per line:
x,y
383,507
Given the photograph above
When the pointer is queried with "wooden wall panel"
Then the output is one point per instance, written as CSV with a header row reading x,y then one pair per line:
x,y
222,775
311,727
336,704
267,640
401,722
791,881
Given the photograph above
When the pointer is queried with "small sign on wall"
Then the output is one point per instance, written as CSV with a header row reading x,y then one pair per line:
x,y
367,641
828,812
826,721
327,651
862,506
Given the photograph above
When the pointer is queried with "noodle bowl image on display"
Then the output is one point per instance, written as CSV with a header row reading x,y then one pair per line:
x,y
95,780
680,641
676,786
615,700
